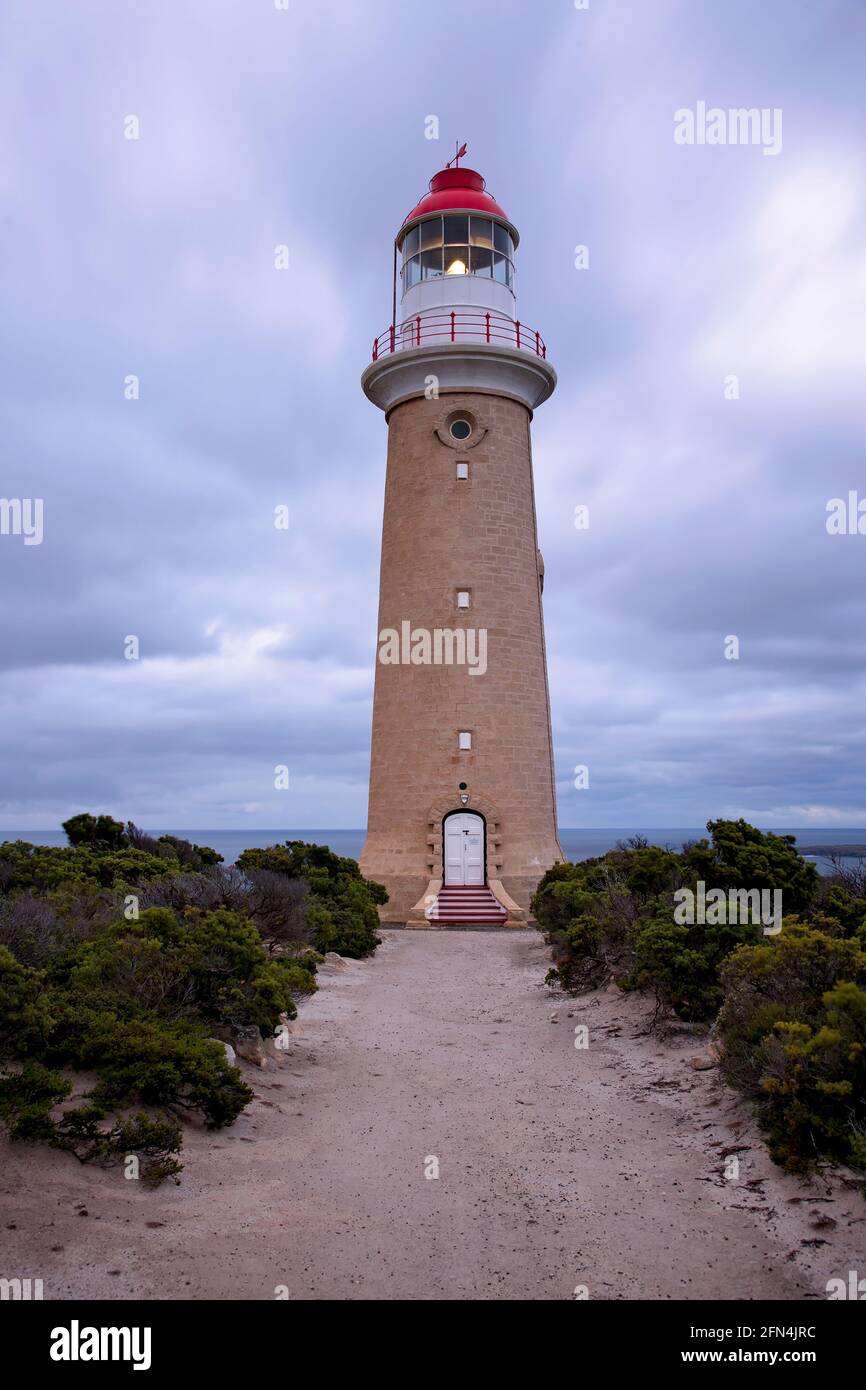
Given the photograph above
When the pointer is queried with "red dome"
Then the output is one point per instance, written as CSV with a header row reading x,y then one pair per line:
x,y
459,190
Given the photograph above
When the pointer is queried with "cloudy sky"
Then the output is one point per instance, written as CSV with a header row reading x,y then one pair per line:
x,y
261,126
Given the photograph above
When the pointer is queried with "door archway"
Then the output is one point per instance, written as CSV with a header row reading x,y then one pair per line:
x,y
464,851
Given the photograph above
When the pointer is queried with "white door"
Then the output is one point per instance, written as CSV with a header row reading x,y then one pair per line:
x,y
464,849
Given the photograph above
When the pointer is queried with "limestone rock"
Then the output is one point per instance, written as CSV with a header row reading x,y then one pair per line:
x,y
334,962
249,1046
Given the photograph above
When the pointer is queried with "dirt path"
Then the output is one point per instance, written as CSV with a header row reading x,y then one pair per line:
x,y
557,1167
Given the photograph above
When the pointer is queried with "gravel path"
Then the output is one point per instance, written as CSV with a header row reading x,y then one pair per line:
x,y
558,1168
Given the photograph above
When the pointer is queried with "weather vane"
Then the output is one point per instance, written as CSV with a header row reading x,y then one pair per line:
x,y
461,150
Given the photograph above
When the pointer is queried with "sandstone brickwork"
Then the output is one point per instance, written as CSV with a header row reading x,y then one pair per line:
x,y
441,535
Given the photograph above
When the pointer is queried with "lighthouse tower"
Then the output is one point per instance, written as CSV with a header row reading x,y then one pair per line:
x,y
462,811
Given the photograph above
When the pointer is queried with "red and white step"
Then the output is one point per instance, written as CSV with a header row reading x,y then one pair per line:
x,y
467,906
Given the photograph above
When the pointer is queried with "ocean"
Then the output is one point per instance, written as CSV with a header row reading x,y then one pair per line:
x,y
576,844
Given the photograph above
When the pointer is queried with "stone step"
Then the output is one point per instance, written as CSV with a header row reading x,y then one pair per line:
x,y
471,905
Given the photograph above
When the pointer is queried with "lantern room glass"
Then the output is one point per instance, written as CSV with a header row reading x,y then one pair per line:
x,y
457,244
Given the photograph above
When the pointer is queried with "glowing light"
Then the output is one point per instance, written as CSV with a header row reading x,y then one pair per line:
x,y
456,268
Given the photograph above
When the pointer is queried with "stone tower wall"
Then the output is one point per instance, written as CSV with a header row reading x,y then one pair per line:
x,y
441,535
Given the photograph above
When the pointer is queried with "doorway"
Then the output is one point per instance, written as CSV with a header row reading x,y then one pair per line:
x,y
464,850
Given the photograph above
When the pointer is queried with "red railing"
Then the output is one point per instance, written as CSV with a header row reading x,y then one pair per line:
x,y
453,325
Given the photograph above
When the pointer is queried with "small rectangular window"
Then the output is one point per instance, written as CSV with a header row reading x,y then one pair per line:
x,y
482,261
501,270
431,233
431,264
502,241
463,470
411,244
462,598
456,230
464,741
481,232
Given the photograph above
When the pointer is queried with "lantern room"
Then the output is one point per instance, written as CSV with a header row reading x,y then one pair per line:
x,y
454,311
457,243
456,248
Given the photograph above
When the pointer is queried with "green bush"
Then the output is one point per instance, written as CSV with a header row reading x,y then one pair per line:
x,y
45,868
99,832
613,917
740,856
680,964
153,1140
28,1097
138,1002
342,909
207,965
791,1007
793,1036
25,1018
153,1062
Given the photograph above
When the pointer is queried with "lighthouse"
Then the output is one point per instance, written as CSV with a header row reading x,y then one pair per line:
x,y
462,806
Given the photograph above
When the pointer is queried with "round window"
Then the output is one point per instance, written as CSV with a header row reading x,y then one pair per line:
x,y
460,429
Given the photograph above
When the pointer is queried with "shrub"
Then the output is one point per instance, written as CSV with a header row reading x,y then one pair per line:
x,y
741,856
46,868
342,908
137,1002
793,1034
680,964
613,917
183,852
153,1140
25,1018
153,1062
99,832
792,1020
28,1097
134,1004
280,908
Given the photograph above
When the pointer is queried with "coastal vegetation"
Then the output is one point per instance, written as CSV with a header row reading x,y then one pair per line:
x,y
785,1001
130,967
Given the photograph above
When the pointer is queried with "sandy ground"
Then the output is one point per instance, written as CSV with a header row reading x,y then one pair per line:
x,y
558,1167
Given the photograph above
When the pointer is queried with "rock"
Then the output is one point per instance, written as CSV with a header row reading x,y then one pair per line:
x,y
333,961
249,1046
231,1056
704,1061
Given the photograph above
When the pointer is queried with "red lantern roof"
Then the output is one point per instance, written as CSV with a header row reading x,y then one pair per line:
x,y
458,190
